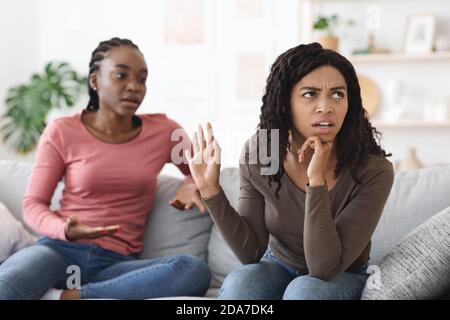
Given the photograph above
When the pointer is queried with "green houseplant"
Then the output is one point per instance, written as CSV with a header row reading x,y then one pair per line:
x,y
325,26
326,23
27,105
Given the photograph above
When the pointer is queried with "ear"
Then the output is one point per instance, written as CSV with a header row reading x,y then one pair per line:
x,y
93,81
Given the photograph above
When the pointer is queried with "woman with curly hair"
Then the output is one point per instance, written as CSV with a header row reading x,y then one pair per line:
x,y
303,231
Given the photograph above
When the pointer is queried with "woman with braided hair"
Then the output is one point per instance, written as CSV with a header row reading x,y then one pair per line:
x,y
109,158
302,230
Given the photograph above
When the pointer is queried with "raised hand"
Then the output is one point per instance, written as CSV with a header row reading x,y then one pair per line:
x,y
317,167
75,230
205,162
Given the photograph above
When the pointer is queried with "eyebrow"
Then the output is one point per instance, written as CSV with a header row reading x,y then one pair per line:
x,y
124,66
317,89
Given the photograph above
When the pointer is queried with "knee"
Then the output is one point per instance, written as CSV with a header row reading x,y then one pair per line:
x,y
24,273
191,264
240,284
194,270
308,288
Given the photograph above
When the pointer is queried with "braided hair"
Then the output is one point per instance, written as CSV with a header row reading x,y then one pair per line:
x,y
97,56
356,139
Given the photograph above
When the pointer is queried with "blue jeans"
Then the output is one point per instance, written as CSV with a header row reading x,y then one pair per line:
x,y
29,273
270,279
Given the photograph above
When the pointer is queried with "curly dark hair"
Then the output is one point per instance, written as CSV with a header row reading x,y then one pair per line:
x,y
97,56
356,139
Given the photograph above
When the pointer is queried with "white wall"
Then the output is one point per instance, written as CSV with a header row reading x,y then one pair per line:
x,y
197,83
191,83
18,48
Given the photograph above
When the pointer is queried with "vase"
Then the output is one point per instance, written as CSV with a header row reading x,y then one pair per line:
x,y
329,42
410,162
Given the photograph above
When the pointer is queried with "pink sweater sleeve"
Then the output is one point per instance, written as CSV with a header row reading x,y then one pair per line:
x,y
47,172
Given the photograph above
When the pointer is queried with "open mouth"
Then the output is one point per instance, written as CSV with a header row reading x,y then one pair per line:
x,y
323,124
132,100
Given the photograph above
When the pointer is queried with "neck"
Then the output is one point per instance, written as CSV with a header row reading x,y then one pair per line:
x,y
111,123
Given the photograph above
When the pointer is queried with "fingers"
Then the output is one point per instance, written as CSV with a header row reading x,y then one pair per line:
x,y
177,204
302,150
195,143
210,133
217,152
198,202
312,143
112,228
202,147
98,232
201,138
187,154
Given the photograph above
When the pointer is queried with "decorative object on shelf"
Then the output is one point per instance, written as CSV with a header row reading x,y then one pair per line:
x,y
437,110
410,162
370,95
395,101
372,48
443,109
420,33
442,43
325,30
27,105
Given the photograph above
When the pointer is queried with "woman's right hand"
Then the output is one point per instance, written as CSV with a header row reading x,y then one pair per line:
x,y
205,162
75,230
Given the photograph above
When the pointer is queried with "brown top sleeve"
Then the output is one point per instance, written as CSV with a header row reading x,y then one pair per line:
x,y
332,245
245,232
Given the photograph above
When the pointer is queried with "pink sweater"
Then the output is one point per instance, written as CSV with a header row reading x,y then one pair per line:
x,y
105,184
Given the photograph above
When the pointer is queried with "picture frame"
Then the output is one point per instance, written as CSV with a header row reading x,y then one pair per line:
x,y
420,33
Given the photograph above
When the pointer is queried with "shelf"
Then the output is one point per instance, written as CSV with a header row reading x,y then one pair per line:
x,y
403,57
410,124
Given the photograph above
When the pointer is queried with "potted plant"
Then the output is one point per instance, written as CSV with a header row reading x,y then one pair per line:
x,y
325,27
27,105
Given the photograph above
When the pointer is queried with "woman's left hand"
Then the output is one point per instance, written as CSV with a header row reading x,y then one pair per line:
x,y
319,161
187,196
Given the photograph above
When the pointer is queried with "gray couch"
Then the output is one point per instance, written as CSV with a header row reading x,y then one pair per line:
x,y
416,196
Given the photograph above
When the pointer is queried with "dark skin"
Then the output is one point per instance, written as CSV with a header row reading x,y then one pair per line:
x,y
120,84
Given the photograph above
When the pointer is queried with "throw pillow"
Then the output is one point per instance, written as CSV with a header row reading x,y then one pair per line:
x,y
170,231
418,267
13,235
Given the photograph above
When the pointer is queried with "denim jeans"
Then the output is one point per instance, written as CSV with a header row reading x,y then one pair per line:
x,y
270,279
29,273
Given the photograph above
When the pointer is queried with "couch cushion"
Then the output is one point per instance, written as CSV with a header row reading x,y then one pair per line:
x,y
13,184
13,235
415,197
170,231
418,267
221,258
